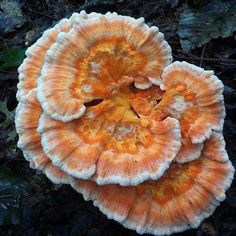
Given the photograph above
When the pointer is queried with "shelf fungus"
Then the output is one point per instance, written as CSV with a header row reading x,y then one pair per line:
x,y
102,109
194,97
184,196
28,113
95,59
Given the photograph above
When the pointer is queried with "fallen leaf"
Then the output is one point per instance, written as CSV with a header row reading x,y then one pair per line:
x,y
11,57
198,26
10,16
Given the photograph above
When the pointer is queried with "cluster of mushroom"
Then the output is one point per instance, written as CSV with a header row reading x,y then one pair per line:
x,y
102,108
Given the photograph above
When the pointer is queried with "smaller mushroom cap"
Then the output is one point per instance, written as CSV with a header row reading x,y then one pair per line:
x,y
194,97
28,113
181,199
144,100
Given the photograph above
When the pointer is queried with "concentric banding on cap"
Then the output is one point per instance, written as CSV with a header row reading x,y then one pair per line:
x,y
193,96
181,199
27,117
111,145
90,61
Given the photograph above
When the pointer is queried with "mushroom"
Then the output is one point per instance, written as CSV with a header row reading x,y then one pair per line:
x,y
96,59
181,199
91,114
194,97
110,143
28,113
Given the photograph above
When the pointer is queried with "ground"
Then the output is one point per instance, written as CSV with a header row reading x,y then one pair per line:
x,y
199,31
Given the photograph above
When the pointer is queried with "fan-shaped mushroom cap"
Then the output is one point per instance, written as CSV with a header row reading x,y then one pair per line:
x,y
185,195
111,145
194,97
97,57
27,117
30,69
29,109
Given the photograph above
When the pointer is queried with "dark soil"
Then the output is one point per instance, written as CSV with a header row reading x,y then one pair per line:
x,y
46,209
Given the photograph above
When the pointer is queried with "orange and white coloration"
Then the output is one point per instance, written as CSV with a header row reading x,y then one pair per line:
x,y
30,69
97,111
29,109
110,144
97,57
194,97
181,199
28,113
109,134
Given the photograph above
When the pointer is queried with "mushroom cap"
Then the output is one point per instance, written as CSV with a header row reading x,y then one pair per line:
x,y
111,145
95,58
193,96
29,109
181,199
27,117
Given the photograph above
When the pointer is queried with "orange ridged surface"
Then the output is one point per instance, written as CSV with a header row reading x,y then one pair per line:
x,y
101,109
27,118
94,60
112,144
185,195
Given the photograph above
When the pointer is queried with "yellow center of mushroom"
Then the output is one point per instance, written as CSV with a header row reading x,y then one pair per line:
x,y
178,179
108,66
106,73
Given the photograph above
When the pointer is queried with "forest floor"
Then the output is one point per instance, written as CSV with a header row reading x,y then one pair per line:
x,y
199,31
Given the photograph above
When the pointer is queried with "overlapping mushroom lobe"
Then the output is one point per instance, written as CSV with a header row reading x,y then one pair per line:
x,y
89,65
111,144
97,119
194,97
95,59
185,195
27,118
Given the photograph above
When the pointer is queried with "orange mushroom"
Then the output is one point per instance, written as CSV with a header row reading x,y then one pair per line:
x,y
29,109
96,59
110,144
194,97
91,112
27,117
181,199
